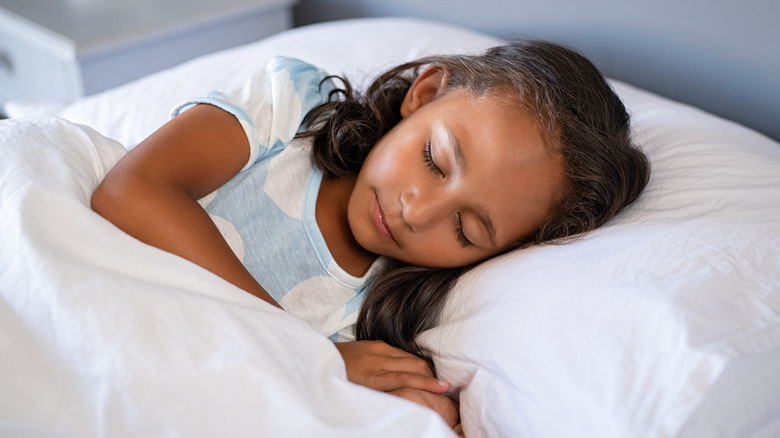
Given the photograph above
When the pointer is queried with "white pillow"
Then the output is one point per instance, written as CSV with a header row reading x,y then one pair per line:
x,y
662,323
665,322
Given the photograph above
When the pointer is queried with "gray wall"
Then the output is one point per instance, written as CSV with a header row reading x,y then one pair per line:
x,y
721,55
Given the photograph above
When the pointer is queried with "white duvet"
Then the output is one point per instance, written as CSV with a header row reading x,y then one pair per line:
x,y
102,335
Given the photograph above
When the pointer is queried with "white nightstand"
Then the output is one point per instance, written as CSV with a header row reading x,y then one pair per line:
x,y
65,49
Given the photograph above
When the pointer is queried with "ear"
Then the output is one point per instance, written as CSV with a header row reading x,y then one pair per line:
x,y
426,87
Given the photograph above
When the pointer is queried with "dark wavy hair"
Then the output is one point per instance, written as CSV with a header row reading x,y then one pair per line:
x,y
580,117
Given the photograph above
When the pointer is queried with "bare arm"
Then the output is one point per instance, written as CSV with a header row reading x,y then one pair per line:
x,y
152,192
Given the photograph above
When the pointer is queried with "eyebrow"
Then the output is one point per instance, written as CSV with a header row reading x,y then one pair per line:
x,y
460,161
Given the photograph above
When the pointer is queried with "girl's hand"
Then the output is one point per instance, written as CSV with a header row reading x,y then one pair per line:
x,y
443,405
379,366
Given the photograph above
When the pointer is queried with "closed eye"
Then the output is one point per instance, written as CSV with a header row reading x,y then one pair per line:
x,y
428,159
464,241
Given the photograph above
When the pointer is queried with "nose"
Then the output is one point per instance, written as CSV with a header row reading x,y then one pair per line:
x,y
423,208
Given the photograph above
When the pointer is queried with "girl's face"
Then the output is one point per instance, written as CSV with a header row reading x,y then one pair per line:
x,y
458,180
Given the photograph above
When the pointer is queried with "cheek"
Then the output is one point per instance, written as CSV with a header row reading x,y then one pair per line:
x,y
397,149
373,162
381,166
441,250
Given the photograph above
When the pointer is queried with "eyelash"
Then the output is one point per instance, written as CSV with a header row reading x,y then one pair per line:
x,y
428,159
461,236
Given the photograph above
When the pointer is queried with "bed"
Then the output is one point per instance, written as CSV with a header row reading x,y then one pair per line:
x,y
663,323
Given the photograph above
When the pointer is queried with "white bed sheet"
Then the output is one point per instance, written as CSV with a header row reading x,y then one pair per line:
x,y
665,322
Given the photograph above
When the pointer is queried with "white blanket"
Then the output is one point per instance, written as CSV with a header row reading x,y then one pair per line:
x,y
102,335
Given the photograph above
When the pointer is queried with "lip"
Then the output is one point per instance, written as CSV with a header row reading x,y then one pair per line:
x,y
378,216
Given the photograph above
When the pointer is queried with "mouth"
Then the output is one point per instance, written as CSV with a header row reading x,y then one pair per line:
x,y
378,216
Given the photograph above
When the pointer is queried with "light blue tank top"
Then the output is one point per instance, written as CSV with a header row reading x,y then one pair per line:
x,y
267,212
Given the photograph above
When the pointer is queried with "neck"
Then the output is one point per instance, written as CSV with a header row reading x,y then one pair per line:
x,y
332,219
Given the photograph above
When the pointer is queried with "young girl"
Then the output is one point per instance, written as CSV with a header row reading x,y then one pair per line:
x,y
331,204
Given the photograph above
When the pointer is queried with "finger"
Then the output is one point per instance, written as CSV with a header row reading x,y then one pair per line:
x,y
391,381
440,403
411,365
381,348
458,429
395,359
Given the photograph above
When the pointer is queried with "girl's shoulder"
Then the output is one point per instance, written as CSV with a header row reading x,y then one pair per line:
x,y
272,103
